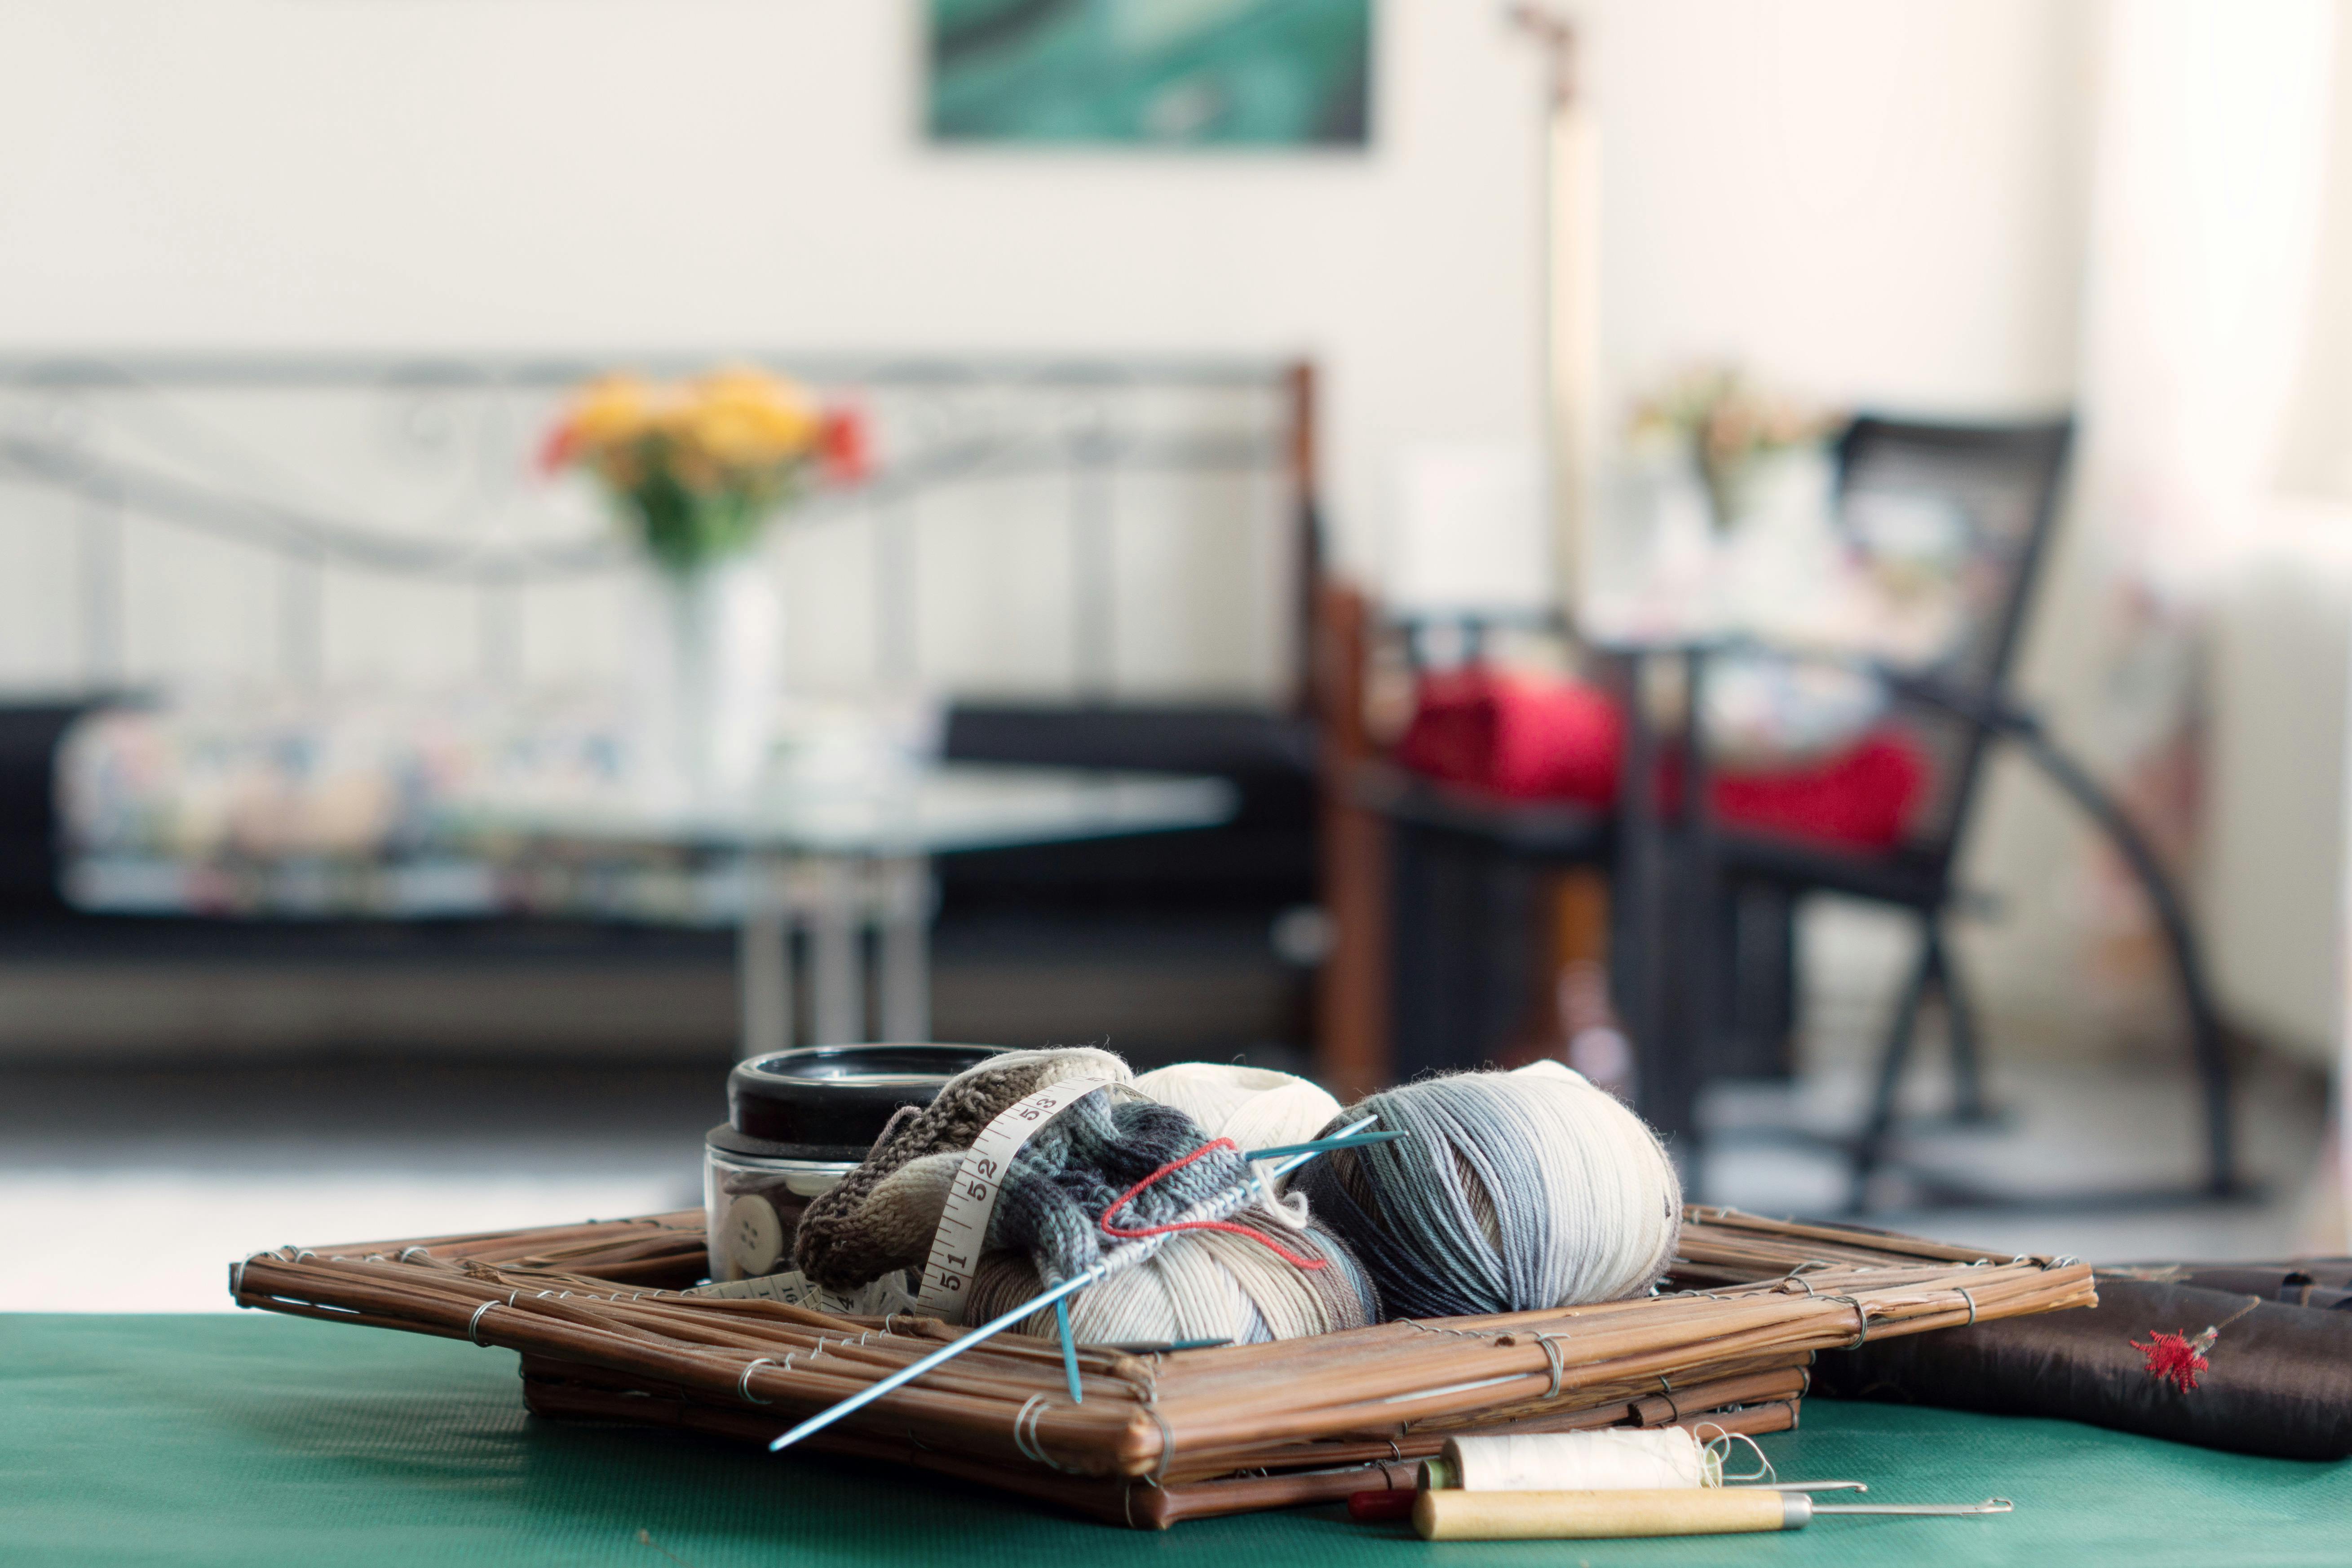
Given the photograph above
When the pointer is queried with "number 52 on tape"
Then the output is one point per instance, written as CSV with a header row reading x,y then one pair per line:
x,y
971,1198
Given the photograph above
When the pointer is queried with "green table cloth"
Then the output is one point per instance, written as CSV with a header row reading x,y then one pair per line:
x,y
257,1440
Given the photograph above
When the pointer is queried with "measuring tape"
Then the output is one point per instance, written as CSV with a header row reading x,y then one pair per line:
x,y
971,1200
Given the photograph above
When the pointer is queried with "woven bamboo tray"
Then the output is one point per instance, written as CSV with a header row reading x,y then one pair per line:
x,y
596,1313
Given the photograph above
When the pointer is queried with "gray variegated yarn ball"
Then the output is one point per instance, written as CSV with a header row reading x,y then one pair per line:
x,y
1516,1192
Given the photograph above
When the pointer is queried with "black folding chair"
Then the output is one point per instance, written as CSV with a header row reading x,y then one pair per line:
x,y
2001,483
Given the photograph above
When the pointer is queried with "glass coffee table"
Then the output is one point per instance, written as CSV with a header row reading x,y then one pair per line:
x,y
836,857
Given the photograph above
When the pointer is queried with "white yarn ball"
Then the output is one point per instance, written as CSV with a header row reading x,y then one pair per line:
x,y
1201,1285
1257,1108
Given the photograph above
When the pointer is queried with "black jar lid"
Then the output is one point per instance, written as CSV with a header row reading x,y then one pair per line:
x,y
830,1102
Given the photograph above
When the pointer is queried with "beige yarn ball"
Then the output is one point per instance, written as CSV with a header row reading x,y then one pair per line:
x,y
1257,1108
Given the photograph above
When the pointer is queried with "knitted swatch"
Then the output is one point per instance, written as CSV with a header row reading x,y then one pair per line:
x,y
1110,1168
882,1214
1063,1184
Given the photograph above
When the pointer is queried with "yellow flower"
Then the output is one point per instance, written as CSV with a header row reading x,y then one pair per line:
x,y
613,410
751,412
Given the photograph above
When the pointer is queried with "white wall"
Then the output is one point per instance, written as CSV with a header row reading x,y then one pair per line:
x,y
1864,200
623,172
1872,202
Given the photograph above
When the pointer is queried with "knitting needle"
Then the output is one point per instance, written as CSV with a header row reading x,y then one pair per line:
x,y
1348,1137
997,1325
1069,1349
1320,1145
940,1357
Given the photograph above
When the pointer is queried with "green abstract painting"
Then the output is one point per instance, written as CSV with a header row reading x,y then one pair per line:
x,y
1267,73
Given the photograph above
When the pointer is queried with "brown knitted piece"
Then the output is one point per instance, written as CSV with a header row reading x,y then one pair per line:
x,y
870,1223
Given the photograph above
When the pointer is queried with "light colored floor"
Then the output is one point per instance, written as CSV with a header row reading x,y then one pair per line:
x,y
126,1191
2086,1126
2078,1146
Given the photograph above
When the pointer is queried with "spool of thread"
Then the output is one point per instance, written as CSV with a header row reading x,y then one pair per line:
x,y
1516,1192
1614,1459
1257,1108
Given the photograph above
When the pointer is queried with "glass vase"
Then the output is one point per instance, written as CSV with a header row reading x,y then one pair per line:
x,y
710,674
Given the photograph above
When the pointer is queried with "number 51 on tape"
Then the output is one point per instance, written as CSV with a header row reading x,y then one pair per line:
x,y
971,1198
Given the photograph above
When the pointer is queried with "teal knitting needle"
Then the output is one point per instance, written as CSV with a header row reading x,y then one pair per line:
x,y
1321,1146
1069,1349
1135,1250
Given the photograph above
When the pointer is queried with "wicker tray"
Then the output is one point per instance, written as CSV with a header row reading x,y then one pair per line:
x,y
596,1312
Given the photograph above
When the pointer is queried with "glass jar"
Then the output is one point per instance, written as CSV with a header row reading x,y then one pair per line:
x,y
797,1123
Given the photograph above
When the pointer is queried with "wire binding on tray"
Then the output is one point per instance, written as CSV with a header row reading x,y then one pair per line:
x,y
1861,1318
1025,1438
474,1323
1552,1355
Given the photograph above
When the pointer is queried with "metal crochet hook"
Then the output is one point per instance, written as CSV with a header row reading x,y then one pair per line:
x,y
1132,1252
1922,1509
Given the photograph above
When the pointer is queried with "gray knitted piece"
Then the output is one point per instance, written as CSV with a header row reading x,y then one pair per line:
x,y
1068,1176
882,1214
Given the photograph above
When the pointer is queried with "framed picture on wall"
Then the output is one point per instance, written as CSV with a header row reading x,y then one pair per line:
x,y
1210,73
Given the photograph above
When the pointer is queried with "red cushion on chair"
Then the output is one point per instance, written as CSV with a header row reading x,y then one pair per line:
x,y
1529,738
1516,735
1863,796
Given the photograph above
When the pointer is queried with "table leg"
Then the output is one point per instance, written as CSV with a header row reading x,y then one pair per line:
x,y
763,974
837,978
906,950
1638,952
1693,939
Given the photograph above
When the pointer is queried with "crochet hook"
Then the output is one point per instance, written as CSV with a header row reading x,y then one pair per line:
x,y
1132,1252
1592,1516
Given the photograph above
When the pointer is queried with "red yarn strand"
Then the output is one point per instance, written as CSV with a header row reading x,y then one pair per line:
x,y
1125,1233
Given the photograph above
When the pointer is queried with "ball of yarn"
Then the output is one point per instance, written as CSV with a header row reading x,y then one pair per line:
x,y
1201,1285
1516,1192
1257,1108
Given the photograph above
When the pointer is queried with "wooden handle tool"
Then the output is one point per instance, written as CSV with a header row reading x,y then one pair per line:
x,y
1584,1516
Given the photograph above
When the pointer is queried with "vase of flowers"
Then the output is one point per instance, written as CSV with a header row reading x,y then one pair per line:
x,y
1731,430
697,470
